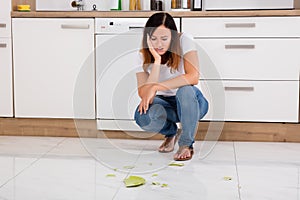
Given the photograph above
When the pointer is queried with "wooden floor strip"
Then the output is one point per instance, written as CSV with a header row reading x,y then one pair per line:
x,y
231,131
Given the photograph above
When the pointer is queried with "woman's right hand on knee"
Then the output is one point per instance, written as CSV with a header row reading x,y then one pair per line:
x,y
147,99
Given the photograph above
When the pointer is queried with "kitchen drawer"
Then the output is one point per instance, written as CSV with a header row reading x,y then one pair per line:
x,y
251,59
242,26
260,101
5,7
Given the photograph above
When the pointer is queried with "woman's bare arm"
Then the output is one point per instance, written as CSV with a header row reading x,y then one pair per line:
x,y
147,91
155,71
191,76
141,81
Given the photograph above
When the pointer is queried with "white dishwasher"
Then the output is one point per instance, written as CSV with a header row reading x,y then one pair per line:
x,y
118,41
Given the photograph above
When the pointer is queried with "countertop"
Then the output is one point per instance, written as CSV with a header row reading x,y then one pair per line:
x,y
91,14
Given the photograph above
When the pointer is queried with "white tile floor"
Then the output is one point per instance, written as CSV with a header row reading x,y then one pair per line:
x,y
57,168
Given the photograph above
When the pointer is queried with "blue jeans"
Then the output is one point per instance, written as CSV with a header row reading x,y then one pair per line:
x,y
187,107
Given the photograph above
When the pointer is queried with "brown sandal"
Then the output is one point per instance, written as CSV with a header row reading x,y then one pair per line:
x,y
168,145
180,151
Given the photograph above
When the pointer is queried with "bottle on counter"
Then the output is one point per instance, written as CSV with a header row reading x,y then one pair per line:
x,y
173,4
186,4
157,5
152,5
176,4
116,5
135,5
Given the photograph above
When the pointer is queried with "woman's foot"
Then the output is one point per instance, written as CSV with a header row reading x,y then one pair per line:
x,y
184,153
169,143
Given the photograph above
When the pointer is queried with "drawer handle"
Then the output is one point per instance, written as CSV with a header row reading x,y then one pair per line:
x,y
3,45
136,27
228,88
2,25
239,46
74,26
240,25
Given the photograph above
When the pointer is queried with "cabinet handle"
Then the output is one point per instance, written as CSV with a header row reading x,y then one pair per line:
x,y
136,27
2,25
239,46
75,26
236,88
3,45
240,25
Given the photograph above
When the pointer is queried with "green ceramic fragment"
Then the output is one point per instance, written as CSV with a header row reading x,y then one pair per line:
x,y
110,175
134,181
155,183
164,185
176,164
154,175
128,167
227,178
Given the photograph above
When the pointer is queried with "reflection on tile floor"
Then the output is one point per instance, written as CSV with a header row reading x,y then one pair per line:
x,y
60,168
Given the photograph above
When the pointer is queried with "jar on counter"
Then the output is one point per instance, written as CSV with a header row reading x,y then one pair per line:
x,y
181,4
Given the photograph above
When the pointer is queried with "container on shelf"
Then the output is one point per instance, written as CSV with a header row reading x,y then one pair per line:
x,y
157,5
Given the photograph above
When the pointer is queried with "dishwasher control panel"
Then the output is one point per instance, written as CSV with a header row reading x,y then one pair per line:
x,y
119,25
122,25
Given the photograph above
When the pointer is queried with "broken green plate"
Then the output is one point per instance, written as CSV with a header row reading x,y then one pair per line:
x,y
134,181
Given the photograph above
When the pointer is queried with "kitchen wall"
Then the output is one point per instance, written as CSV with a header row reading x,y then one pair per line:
x,y
18,2
66,5
102,5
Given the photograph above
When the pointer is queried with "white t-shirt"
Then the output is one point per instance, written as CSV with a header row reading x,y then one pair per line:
x,y
187,44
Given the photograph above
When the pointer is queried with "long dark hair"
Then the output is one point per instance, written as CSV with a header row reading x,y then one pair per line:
x,y
172,56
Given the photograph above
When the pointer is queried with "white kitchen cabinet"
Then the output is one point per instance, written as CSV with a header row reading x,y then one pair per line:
x,y
54,59
256,67
6,97
5,8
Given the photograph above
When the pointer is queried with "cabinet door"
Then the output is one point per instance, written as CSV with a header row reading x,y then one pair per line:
x,y
5,8
52,59
117,96
260,101
6,100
